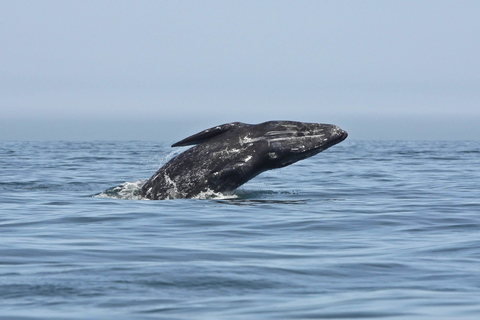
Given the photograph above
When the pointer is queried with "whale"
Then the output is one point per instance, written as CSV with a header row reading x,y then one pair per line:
x,y
227,156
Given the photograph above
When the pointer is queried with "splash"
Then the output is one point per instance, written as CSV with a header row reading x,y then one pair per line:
x,y
131,191
127,190
209,194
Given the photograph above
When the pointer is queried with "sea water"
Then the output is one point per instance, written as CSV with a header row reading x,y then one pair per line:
x,y
366,229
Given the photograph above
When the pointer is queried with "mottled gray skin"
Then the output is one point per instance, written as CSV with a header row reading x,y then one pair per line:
x,y
227,156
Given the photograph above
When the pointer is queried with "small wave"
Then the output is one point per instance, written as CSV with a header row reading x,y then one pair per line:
x,y
127,190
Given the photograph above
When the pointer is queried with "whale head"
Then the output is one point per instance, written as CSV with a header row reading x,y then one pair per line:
x,y
286,142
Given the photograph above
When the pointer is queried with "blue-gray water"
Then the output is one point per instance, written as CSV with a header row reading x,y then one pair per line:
x,y
366,229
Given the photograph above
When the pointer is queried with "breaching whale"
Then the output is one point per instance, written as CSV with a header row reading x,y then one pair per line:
x,y
226,156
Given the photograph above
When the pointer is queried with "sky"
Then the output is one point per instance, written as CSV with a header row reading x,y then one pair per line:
x,y
163,70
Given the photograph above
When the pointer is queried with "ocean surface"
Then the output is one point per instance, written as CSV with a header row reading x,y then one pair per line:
x,y
366,229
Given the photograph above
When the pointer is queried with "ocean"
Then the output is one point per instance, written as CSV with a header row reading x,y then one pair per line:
x,y
365,229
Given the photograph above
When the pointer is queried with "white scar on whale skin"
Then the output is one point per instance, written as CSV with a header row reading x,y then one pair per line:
x,y
247,139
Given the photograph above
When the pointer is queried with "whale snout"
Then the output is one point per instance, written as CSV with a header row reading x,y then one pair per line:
x,y
343,135
337,134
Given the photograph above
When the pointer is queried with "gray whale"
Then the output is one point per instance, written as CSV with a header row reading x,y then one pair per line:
x,y
226,156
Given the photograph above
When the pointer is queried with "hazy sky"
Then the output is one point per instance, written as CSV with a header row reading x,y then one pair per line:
x,y
162,70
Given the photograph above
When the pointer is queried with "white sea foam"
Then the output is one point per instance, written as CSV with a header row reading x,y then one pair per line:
x,y
127,190
209,194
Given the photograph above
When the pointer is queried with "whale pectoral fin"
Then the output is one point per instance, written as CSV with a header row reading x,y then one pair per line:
x,y
206,134
234,175
227,178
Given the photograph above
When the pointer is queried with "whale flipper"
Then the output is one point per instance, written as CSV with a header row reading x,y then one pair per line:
x,y
206,134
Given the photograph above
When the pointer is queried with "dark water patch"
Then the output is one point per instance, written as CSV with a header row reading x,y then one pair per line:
x,y
474,152
28,185
253,202
58,203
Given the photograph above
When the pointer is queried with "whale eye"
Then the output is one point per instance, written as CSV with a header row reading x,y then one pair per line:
x,y
272,155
